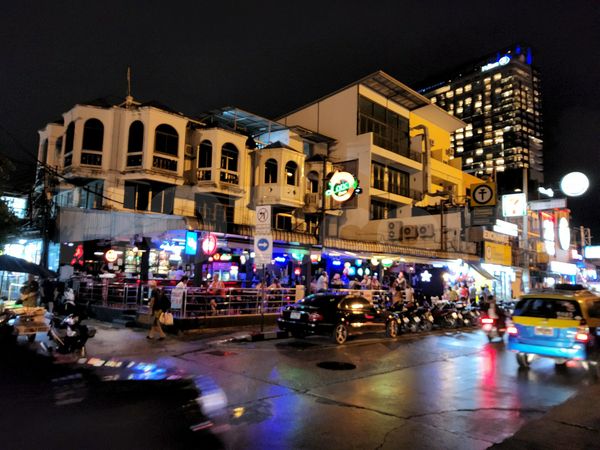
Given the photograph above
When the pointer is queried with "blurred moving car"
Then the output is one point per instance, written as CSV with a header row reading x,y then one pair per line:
x,y
99,404
560,323
335,315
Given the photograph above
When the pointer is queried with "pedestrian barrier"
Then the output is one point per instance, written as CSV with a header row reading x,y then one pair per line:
x,y
200,302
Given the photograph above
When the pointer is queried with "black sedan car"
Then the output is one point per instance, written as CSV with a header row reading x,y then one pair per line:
x,y
335,315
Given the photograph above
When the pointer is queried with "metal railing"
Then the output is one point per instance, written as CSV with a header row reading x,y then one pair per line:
x,y
200,302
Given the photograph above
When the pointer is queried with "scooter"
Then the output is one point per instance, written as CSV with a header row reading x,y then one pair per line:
x,y
69,335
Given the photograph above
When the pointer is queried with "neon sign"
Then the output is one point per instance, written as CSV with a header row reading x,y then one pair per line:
x,y
504,60
209,244
548,233
111,256
564,233
342,186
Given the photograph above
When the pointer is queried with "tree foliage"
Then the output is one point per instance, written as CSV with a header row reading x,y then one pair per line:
x,y
9,223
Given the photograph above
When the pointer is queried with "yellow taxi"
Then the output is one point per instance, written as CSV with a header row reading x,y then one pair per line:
x,y
559,323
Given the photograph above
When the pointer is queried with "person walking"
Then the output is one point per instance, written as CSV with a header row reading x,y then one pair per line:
x,y
157,305
178,293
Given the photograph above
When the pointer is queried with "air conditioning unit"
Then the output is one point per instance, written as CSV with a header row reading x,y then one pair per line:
x,y
394,231
450,152
409,232
426,230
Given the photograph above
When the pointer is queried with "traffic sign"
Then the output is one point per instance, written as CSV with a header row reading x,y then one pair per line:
x,y
483,194
263,249
263,219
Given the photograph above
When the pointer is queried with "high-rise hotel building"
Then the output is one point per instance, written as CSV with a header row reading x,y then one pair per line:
x,y
500,99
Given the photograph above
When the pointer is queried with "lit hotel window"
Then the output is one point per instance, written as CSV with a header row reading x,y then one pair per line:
x,y
459,91
479,151
449,94
469,161
497,76
468,134
459,149
468,101
459,111
467,88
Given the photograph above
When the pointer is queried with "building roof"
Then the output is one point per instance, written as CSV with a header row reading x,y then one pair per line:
x,y
243,122
383,84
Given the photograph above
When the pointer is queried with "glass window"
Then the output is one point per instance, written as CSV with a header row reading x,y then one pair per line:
x,y
135,143
205,154
378,176
548,308
271,171
166,140
382,210
291,171
390,130
229,164
313,180
93,135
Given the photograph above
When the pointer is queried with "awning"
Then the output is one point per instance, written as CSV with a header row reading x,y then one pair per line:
x,y
481,271
394,249
76,225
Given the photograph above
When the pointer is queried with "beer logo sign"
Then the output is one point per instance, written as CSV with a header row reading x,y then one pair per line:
x,y
342,186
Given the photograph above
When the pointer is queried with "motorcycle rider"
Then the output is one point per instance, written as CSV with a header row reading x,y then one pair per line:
x,y
495,312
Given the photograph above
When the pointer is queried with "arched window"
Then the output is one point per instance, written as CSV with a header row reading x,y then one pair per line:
x,y
205,161
93,135
291,169
166,140
229,164
271,171
135,143
93,139
313,182
70,136
205,155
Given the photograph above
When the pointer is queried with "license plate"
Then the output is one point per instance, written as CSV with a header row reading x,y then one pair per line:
x,y
544,331
417,320
295,315
430,318
454,315
405,319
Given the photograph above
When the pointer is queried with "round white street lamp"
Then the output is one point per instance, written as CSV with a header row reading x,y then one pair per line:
x,y
574,184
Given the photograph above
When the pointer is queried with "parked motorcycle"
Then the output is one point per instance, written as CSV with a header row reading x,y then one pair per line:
x,y
69,335
444,315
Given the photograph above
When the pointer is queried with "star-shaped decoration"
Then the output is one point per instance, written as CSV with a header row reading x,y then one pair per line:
x,y
426,276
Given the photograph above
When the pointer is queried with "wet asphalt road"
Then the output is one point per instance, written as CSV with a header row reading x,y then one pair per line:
x,y
442,390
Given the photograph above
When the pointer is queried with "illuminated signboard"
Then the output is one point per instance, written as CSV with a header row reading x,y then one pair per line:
x,y
504,60
592,251
514,205
209,244
342,186
191,242
574,184
548,233
111,256
564,233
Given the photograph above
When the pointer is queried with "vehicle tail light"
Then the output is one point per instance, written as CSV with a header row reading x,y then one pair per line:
x,y
367,316
487,320
512,330
315,317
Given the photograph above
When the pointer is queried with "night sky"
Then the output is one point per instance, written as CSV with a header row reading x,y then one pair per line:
x,y
272,57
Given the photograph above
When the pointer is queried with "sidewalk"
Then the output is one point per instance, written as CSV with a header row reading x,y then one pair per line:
x,y
574,424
